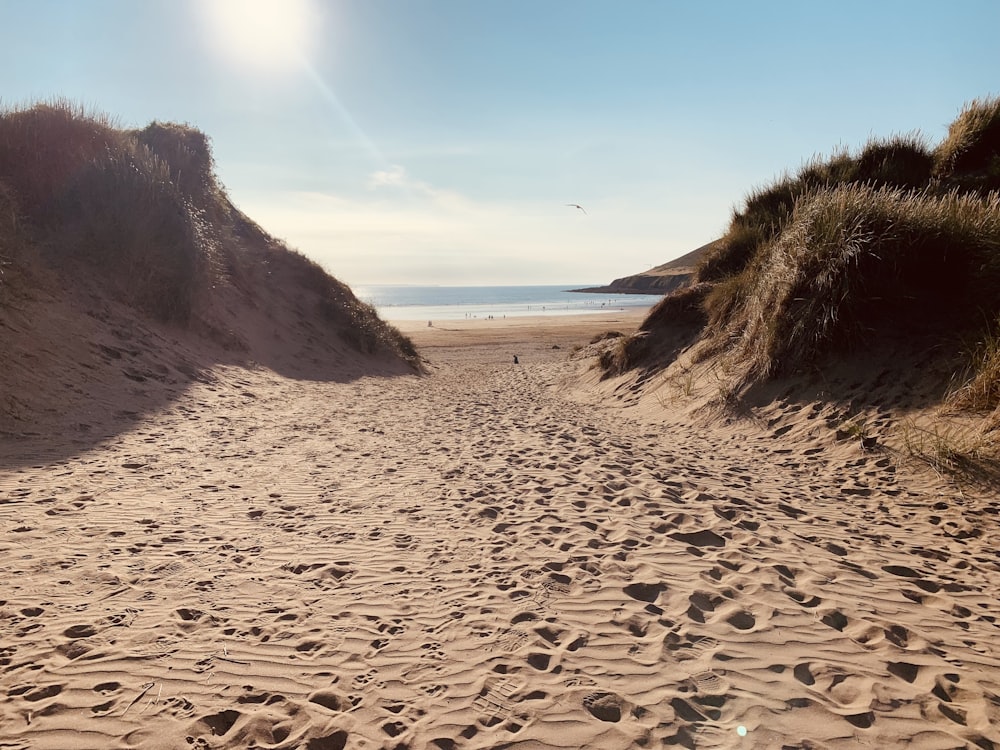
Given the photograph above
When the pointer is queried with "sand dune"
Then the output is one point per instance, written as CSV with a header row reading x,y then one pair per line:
x,y
486,557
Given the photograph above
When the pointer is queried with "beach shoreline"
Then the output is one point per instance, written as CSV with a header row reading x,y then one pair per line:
x,y
562,330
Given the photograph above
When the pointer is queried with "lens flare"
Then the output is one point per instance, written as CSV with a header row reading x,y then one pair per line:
x,y
271,35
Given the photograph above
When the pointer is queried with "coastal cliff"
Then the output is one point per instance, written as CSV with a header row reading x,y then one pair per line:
x,y
662,279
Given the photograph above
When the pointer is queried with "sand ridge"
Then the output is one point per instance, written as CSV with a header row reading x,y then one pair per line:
x,y
482,558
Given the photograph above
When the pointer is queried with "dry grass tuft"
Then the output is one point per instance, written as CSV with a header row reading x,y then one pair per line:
x,y
980,391
626,353
961,452
969,157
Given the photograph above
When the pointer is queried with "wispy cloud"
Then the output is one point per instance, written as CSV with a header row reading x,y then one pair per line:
x,y
393,177
400,228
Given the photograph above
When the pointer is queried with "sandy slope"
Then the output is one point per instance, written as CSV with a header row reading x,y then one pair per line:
x,y
483,558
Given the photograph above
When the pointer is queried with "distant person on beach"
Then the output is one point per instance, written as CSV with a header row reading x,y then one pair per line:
x,y
515,359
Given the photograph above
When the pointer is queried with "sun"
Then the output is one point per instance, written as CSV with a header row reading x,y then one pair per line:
x,y
272,35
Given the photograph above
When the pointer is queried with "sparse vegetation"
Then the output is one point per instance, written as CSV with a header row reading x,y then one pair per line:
x,y
960,451
605,336
857,429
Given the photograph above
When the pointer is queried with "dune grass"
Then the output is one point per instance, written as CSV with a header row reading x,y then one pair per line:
x,y
10,225
980,388
142,212
855,242
902,161
122,214
92,193
896,236
969,157
853,259
44,146
686,306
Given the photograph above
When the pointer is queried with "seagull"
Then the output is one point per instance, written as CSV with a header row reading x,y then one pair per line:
x,y
576,205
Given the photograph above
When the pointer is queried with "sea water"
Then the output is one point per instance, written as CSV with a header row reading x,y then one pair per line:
x,y
458,302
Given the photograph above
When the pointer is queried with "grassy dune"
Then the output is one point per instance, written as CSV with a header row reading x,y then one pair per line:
x,y
900,237
141,214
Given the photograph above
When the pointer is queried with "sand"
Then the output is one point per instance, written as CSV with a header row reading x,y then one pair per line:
x,y
490,555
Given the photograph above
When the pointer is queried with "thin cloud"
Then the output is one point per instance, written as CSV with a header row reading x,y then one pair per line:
x,y
395,177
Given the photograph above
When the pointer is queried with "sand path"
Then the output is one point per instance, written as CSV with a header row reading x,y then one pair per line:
x,y
480,558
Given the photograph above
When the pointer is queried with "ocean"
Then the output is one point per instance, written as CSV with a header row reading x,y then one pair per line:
x,y
458,302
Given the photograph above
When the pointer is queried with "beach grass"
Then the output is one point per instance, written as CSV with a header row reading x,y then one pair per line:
x,y
142,212
899,236
902,161
854,259
969,157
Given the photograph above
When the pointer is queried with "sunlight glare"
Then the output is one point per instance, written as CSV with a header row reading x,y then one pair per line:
x,y
273,35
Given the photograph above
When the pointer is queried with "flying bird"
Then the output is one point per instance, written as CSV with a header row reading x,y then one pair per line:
x,y
576,205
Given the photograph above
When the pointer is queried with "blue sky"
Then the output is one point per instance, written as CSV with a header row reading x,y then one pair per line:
x,y
438,141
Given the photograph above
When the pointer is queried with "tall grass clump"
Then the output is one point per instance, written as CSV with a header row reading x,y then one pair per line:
x,y
981,390
969,157
123,213
901,161
852,259
94,193
187,152
44,147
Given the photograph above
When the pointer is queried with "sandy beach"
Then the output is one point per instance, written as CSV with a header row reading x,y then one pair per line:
x,y
488,555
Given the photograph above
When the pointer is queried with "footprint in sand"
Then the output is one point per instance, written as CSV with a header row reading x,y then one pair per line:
x,y
330,700
604,706
690,647
801,598
509,640
495,700
366,680
709,683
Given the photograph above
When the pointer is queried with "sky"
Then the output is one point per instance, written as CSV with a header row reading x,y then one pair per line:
x,y
440,141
